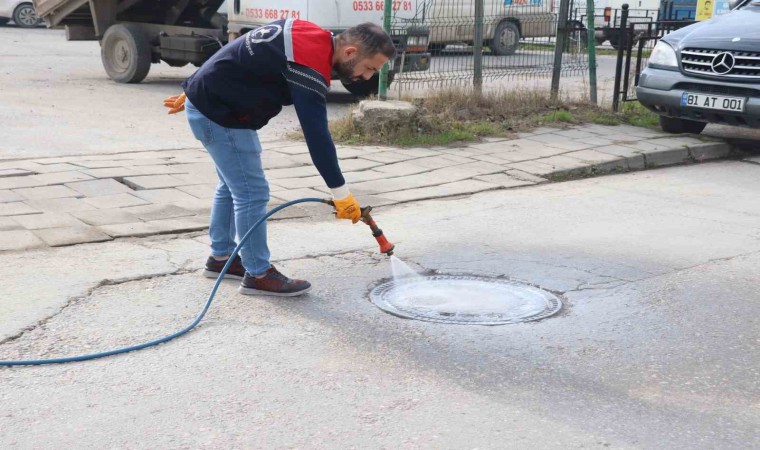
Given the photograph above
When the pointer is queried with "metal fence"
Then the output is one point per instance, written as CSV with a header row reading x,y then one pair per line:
x,y
519,39
637,40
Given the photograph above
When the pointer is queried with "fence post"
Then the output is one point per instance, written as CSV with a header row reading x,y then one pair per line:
x,y
478,56
382,89
561,41
619,66
590,32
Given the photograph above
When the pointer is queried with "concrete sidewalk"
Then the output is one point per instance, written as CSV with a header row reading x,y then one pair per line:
x,y
78,199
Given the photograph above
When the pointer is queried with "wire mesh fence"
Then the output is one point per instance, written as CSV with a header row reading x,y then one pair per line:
x,y
519,38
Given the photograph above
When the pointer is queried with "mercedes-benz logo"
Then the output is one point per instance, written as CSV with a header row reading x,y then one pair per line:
x,y
723,63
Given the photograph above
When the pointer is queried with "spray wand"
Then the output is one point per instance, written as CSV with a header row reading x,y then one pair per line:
x,y
385,246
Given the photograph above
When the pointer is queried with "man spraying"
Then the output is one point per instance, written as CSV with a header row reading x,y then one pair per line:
x,y
236,92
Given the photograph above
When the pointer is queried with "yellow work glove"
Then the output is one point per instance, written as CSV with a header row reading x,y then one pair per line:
x,y
348,208
176,103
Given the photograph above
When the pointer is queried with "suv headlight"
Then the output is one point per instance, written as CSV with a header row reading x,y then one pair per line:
x,y
663,55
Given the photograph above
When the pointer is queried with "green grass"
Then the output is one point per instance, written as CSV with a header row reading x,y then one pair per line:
x,y
450,116
635,114
560,116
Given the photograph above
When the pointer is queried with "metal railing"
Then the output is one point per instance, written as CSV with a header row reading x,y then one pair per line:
x,y
519,40
637,40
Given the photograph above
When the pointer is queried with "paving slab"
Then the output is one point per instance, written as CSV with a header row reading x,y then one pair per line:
x,y
182,225
48,220
365,175
57,237
4,173
19,182
534,168
293,172
209,176
154,182
43,192
99,188
294,194
525,176
123,200
19,240
505,180
200,207
292,149
17,208
64,205
98,217
298,183
444,190
390,157
402,168
8,223
357,164
116,172
157,212
58,167
134,229
59,177
6,195
441,161
169,195
203,191
435,177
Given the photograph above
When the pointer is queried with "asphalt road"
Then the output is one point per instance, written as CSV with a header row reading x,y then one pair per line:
x,y
656,347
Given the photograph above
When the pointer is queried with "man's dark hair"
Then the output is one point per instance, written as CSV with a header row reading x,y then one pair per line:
x,y
370,39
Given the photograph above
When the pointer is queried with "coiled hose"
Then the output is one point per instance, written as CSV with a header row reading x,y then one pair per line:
x,y
131,348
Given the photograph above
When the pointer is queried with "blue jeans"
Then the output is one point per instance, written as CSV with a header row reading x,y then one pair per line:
x,y
242,193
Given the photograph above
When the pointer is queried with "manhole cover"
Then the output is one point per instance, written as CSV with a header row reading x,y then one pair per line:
x,y
464,300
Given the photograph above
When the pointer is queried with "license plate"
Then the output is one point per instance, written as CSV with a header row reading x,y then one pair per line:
x,y
719,102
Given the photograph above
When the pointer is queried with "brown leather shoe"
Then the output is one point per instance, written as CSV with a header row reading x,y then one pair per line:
x,y
273,283
214,268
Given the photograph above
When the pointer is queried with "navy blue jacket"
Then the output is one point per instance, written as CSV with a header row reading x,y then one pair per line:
x,y
248,81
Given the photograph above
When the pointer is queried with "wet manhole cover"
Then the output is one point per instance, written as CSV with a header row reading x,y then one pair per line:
x,y
464,300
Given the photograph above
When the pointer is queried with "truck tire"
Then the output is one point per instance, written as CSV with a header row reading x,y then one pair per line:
x,y
366,88
506,39
125,52
676,125
25,17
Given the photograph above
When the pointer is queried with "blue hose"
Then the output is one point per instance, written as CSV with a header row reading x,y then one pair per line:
x,y
37,362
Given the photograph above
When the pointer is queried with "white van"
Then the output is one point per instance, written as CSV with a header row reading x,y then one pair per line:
x,y
505,22
410,33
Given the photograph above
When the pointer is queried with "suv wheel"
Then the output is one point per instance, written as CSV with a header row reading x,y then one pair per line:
x,y
675,125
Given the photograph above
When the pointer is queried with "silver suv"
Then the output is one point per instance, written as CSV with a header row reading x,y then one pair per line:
x,y
708,72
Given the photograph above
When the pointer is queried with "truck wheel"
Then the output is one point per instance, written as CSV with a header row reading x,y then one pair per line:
x,y
506,39
676,125
365,88
25,17
125,52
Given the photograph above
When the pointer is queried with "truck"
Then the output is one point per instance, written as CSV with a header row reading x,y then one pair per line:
x,y
134,34
646,15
